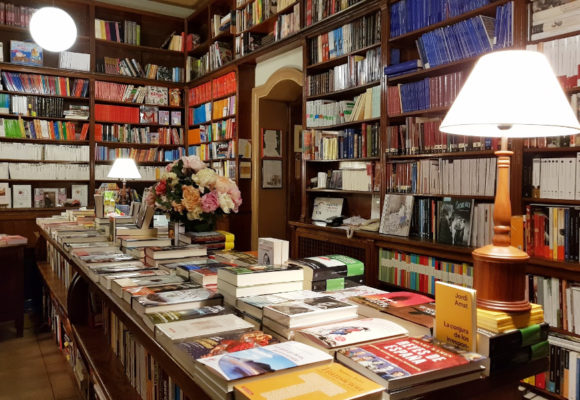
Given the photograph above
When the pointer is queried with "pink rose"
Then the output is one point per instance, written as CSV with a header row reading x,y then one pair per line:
x,y
209,202
161,187
169,166
193,162
223,184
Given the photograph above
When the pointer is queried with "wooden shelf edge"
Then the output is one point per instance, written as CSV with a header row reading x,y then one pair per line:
x,y
54,284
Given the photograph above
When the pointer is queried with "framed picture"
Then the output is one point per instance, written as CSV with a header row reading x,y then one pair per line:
x,y
50,197
271,174
298,139
271,143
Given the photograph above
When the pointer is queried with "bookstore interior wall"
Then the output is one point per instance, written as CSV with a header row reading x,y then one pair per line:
x,y
377,80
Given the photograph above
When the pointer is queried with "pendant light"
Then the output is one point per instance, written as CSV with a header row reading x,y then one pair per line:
x,y
53,29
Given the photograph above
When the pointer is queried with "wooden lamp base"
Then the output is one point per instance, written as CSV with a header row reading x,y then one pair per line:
x,y
499,269
499,278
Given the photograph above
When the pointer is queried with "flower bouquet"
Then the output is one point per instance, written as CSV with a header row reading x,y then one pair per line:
x,y
193,194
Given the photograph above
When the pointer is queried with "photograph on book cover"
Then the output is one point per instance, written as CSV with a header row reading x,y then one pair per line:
x,y
271,174
396,218
271,143
454,226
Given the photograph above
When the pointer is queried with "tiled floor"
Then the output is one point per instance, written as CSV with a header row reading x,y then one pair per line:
x,y
32,367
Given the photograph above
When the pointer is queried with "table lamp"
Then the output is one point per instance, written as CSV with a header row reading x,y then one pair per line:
x,y
124,168
509,94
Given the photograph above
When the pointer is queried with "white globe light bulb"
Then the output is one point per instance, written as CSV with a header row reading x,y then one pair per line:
x,y
53,29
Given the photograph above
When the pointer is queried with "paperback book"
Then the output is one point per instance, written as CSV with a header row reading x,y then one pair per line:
x,y
454,221
259,274
176,300
393,299
163,317
309,311
329,267
396,216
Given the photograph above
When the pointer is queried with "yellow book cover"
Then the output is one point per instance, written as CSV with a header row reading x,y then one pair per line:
x,y
456,317
326,382
498,321
229,237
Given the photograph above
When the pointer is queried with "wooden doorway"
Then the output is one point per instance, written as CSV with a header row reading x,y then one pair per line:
x,y
276,106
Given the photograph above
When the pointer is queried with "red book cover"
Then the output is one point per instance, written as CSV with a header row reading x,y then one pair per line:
x,y
404,362
541,380
383,301
364,140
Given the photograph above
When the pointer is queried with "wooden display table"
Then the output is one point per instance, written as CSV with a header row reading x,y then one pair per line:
x,y
12,285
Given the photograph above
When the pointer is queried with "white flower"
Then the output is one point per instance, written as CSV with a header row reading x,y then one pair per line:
x,y
205,178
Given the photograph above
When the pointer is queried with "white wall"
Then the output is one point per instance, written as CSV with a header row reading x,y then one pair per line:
x,y
265,69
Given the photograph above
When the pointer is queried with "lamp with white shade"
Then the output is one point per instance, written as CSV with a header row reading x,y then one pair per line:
x,y
124,168
53,29
509,94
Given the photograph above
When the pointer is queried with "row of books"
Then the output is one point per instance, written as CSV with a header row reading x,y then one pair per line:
x,y
359,70
112,113
22,197
15,15
132,67
43,152
221,130
103,153
419,272
552,232
317,10
129,134
554,178
421,135
227,168
43,129
361,33
247,42
32,105
177,42
49,172
352,176
45,84
411,15
74,60
254,13
220,24
110,91
213,150
348,143
465,176
287,24
127,32
148,173
563,56
560,300
553,19
200,114
321,113
224,107
219,54
435,92
218,87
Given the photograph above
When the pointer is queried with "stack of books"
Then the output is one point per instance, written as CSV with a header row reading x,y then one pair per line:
x,y
331,272
240,281
213,240
155,254
509,340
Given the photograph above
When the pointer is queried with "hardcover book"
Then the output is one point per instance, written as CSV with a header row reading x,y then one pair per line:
x,y
180,331
492,344
260,274
163,317
393,299
309,311
25,53
402,363
148,114
176,300
159,279
326,382
338,335
163,253
156,95
22,196
226,370
418,319
329,267
396,216
137,291
454,221
254,305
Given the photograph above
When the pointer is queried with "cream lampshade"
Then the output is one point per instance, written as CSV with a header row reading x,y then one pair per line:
x,y
53,29
124,168
509,94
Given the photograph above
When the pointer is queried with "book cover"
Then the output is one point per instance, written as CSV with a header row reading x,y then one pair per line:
x,y
139,291
492,344
213,325
175,97
163,117
25,53
148,114
152,300
329,267
260,274
383,301
454,225
352,332
400,363
326,382
311,310
229,342
163,317
420,314
156,95
22,196
500,321
396,216
262,360
456,319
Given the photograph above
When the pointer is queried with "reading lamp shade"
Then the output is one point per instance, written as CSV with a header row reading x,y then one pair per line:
x,y
124,168
53,29
512,93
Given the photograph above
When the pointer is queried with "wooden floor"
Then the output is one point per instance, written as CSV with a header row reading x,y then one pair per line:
x,y
32,367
